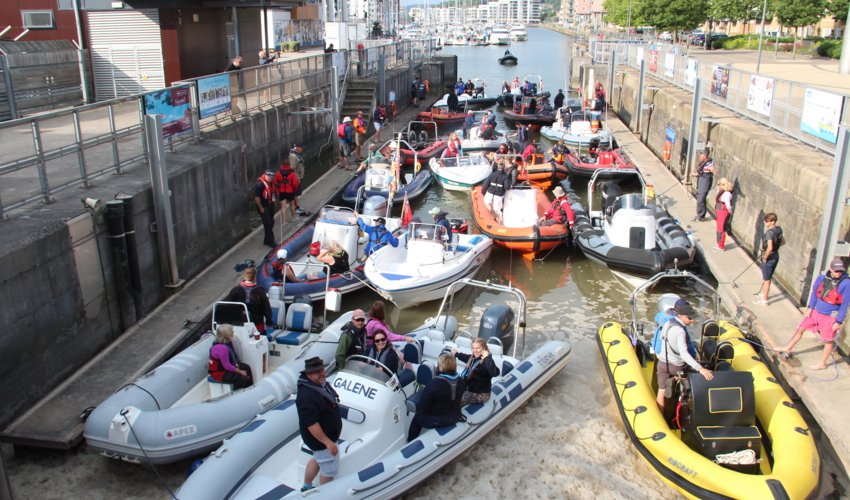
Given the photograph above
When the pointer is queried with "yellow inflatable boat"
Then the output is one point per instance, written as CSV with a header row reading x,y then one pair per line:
x,y
743,419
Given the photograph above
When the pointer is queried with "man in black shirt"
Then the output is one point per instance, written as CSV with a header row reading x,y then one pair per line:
x,y
319,422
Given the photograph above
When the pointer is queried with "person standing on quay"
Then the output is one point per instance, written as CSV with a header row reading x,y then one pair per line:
x,y
346,140
265,196
705,178
770,243
359,124
722,212
296,161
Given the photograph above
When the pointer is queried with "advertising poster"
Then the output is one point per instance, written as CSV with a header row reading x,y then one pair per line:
x,y
669,65
720,81
821,114
691,72
669,141
214,95
760,94
653,61
173,105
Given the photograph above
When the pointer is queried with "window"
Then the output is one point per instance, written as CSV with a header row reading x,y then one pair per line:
x,y
38,19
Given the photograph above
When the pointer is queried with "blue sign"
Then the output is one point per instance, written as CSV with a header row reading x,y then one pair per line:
x,y
173,105
214,95
670,135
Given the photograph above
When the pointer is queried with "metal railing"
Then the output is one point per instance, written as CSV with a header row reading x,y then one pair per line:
x,y
728,87
45,154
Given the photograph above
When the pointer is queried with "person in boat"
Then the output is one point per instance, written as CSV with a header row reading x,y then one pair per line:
x,y
515,83
377,321
352,338
373,155
522,134
512,173
503,149
383,351
253,296
559,99
599,97
825,311
558,153
507,52
546,109
441,219
440,403
453,139
478,374
674,355
224,365
468,123
494,191
529,152
470,87
453,103
279,267
335,257
378,234
319,422
532,106
451,150
506,87
459,87
487,131
560,211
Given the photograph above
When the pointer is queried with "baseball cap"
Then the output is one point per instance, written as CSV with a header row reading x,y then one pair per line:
x,y
684,308
558,191
380,220
346,119
358,314
270,172
837,265
434,211
282,253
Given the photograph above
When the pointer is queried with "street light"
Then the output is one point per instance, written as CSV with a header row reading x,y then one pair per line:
x,y
629,22
761,35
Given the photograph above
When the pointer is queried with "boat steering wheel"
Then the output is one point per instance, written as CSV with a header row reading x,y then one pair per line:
x,y
374,362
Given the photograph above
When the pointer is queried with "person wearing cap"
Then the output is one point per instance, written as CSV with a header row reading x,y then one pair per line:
x,y
345,133
705,178
771,240
674,354
378,119
359,124
319,422
378,234
279,265
296,161
352,338
441,219
559,99
560,211
825,311
253,296
265,197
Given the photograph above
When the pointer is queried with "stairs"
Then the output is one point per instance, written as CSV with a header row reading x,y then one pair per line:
x,y
359,96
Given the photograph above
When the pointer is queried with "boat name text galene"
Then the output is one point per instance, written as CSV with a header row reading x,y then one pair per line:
x,y
355,387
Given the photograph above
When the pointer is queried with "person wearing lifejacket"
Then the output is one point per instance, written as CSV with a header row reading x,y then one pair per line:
x,y
296,161
279,267
558,153
478,374
265,197
345,133
673,355
378,234
486,131
253,296
468,123
560,212
224,365
359,124
705,178
352,338
528,152
383,352
440,403
288,186
825,312
599,97
494,191
441,219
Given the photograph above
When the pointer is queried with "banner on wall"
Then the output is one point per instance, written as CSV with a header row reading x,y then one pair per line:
x,y
669,65
720,81
653,61
173,105
691,72
760,94
821,114
213,95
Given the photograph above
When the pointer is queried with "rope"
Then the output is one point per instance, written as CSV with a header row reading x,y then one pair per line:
x,y
833,362
349,276
743,457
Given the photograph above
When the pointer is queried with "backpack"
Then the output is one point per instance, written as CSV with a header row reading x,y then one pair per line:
x,y
661,321
340,131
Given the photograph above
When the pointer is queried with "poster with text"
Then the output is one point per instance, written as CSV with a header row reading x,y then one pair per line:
x,y
214,95
653,61
669,65
173,105
760,94
720,81
821,114
691,72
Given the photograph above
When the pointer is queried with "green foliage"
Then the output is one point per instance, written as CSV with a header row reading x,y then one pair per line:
x,y
672,15
838,9
735,10
377,30
800,12
830,48
617,12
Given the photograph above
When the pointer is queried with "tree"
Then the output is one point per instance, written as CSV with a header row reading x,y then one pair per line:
x,y
672,15
838,9
800,13
735,10
377,30
617,11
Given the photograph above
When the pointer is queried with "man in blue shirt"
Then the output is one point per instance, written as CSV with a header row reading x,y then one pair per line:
x,y
825,312
440,219
378,234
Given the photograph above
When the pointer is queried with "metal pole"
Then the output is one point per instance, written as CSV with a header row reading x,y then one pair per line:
x,y
84,83
629,23
5,487
335,104
641,82
237,46
761,35
693,131
612,70
195,109
113,139
41,166
162,201
10,89
835,201
81,157
382,76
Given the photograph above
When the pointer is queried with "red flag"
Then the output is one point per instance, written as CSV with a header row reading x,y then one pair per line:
x,y
406,212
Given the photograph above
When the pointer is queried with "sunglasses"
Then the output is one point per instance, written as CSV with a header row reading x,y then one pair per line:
x,y
359,319
380,341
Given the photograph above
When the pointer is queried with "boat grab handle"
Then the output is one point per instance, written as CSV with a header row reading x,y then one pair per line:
x,y
352,443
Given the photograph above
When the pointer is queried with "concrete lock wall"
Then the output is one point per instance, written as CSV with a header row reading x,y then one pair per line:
x,y
771,173
61,301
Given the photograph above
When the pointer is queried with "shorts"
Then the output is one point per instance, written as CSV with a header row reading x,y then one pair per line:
x,y
494,202
344,148
358,139
665,372
768,268
378,126
286,196
328,464
820,324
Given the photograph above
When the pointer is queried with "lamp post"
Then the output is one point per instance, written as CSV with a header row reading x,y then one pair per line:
x,y
629,22
761,35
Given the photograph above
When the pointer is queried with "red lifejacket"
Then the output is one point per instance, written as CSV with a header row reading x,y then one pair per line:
x,y
340,131
287,181
268,192
829,293
216,368
605,158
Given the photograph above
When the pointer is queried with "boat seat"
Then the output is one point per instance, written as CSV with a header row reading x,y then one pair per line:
x,y
296,330
405,377
495,349
424,373
727,400
412,353
431,349
218,389
474,241
278,319
463,343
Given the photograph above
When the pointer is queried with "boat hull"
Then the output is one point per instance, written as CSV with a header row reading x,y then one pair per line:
x,y
610,160
537,119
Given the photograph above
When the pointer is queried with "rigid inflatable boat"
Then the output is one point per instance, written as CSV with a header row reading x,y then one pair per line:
x,y
266,459
177,411
420,143
630,233
378,179
576,128
529,111
737,436
461,173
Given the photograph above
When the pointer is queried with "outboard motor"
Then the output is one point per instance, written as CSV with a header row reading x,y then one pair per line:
x,y
375,205
498,321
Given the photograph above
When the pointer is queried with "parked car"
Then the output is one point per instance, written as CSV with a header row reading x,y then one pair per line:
x,y
666,36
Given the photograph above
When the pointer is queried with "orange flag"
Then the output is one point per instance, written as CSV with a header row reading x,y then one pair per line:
x,y
406,212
